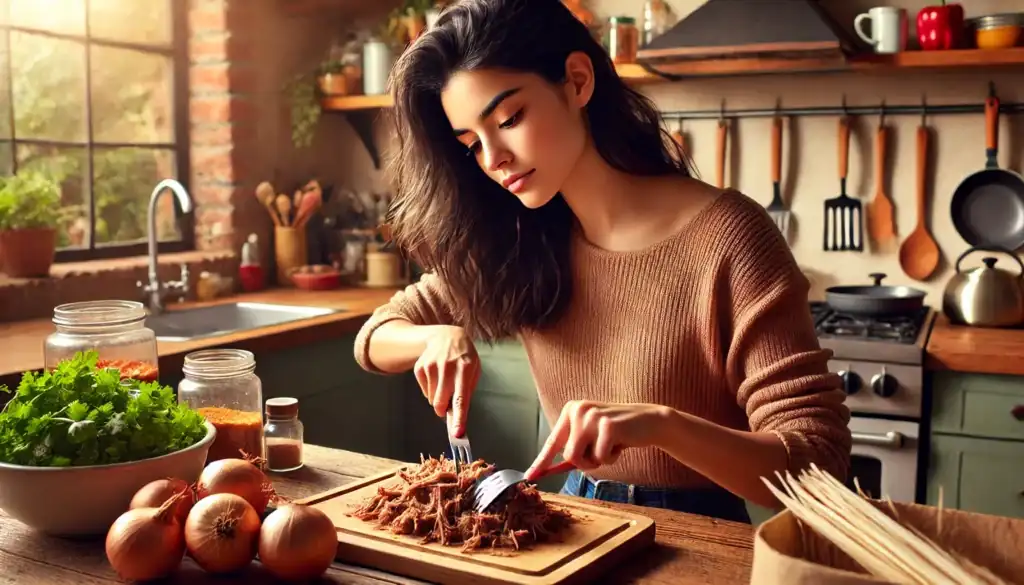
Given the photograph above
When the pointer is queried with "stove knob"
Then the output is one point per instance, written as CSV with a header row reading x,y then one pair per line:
x,y
884,385
851,381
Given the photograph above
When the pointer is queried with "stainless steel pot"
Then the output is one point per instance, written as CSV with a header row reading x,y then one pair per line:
x,y
985,296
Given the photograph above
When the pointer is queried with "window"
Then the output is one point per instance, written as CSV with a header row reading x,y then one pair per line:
x,y
94,93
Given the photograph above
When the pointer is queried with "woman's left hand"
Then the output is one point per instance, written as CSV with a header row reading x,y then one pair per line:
x,y
592,434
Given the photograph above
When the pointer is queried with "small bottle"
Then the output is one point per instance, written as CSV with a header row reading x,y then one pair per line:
x,y
282,435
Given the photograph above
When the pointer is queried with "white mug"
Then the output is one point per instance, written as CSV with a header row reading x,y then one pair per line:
x,y
888,29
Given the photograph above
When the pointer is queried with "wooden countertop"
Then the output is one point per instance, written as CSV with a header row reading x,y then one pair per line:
x,y
21,342
974,349
688,549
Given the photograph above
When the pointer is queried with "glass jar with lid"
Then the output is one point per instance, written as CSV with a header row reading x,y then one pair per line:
x,y
282,435
116,330
622,39
222,385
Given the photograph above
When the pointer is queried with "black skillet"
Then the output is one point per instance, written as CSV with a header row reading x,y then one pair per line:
x,y
875,300
988,205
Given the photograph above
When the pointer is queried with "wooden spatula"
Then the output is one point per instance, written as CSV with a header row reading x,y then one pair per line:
x,y
723,131
880,218
919,254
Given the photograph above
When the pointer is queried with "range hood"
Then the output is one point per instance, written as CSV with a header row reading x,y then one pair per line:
x,y
751,29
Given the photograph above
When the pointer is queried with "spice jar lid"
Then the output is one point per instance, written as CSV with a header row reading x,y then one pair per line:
x,y
282,407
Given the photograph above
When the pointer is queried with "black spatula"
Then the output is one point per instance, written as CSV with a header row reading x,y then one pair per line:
x,y
844,216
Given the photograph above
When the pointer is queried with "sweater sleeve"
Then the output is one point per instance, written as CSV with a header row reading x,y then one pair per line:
x,y
775,362
420,303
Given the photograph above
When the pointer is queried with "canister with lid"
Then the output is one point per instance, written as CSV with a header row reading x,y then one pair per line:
x,y
622,39
115,330
222,385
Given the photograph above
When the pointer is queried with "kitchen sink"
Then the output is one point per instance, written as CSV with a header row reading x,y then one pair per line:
x,y
189,324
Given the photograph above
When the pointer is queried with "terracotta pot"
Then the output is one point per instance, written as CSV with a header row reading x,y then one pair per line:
x,y
28,253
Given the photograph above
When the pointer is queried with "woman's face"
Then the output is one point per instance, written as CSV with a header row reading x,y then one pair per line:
x,y
524,132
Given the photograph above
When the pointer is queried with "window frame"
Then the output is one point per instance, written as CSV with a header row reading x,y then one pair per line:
x,y
178,53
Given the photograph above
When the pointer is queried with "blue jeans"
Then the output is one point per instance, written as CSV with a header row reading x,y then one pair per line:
x,y
715,502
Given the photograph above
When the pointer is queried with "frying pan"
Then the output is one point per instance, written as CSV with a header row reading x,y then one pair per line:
x,y
988,205
875,300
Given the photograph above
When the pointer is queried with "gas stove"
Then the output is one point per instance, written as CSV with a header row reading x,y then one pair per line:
x,y
878,358
899,339
880,362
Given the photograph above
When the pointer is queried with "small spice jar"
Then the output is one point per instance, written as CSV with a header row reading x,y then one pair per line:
x,y
622,39
116,330
222,385
282,435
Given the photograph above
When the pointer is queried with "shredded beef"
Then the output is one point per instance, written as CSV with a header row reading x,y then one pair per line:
x,y
434,503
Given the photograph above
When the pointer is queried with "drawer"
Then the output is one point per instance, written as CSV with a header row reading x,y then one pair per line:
x,y
977,475
978,405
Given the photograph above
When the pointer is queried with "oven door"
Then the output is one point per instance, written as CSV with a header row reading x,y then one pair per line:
x,y
884,458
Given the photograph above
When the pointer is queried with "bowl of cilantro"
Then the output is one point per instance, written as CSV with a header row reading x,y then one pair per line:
x,y
77,442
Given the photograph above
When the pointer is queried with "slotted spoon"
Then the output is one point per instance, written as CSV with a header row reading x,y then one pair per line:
x,y
491,488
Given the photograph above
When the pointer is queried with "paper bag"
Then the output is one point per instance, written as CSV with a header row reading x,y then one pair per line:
x,y
787,552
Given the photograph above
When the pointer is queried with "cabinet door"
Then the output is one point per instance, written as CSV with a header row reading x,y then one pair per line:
x,y
979,405
504,414
977,475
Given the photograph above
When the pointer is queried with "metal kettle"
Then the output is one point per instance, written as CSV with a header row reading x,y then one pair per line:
x,y
985,296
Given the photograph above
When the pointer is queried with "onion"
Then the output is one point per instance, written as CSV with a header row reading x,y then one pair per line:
x,y
222,532
146,543
156,492
297,542
238,477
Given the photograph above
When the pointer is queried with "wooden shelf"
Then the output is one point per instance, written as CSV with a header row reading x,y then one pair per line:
x,y
347,103
964,59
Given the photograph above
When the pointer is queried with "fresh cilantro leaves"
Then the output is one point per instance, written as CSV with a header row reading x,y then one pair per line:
x,y
79,414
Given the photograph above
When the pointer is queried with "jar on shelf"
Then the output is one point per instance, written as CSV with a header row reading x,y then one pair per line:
x,y
115,330
282,435
622,39
222,385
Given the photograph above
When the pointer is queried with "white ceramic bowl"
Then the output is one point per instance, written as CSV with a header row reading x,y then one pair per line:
x,y
85,501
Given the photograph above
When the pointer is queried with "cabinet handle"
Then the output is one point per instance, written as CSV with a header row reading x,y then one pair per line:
x,y
1018,412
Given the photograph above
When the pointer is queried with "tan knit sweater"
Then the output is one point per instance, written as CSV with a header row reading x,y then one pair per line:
x,y
713,321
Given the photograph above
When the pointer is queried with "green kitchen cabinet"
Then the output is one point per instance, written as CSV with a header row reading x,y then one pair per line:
x,y
977,443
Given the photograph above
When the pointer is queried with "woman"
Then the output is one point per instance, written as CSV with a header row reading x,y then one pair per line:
x,y
665,321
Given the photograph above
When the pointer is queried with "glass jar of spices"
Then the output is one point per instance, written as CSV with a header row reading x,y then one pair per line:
x,y
115,330
282,435
622,39
222,385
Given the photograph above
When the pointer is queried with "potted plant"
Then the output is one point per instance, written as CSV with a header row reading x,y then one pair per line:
x,y
29,212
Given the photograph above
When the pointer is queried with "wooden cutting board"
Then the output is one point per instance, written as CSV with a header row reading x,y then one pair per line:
x,y
595,543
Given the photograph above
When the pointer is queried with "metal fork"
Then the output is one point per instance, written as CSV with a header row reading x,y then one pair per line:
x,y
461,452
777,209
490,489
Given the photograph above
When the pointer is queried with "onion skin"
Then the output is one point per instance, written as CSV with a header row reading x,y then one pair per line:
x,y
222,533
239,477
146,543
156,492
297,542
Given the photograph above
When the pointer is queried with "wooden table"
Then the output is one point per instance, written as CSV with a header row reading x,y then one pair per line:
x,y
688,549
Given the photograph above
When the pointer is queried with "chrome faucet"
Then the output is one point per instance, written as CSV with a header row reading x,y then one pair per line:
x,y
154,289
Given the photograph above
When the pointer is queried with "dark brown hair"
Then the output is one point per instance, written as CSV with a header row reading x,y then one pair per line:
x,y
505,267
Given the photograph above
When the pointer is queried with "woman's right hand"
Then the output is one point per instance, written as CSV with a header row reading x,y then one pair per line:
x,y
447,372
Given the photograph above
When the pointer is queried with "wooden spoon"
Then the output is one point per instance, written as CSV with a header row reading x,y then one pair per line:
x,y
265,195
723,128
919,254
880,215
284,207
